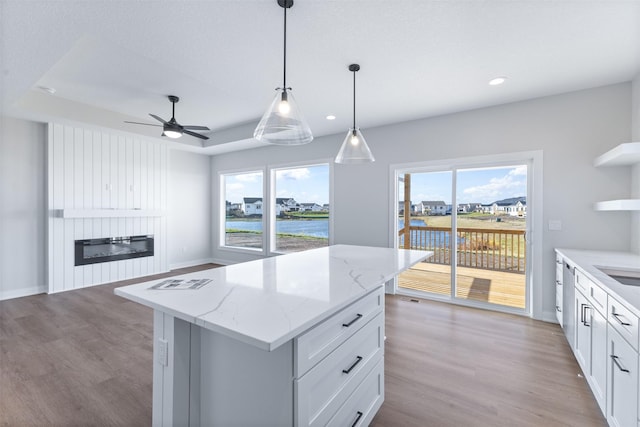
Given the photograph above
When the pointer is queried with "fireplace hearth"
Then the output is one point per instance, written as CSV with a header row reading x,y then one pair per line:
x,y
93,251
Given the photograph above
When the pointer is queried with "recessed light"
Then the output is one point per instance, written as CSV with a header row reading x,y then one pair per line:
x,y
47,89
331,117
497,81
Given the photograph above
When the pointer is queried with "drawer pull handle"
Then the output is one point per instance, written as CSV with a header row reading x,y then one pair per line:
x,y
358,360
558,309
615,360
558,283
358,316
357,419
622,322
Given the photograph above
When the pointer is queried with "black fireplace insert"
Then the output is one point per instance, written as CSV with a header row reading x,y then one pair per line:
x,y
93,251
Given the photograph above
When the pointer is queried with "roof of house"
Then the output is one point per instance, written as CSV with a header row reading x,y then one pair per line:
x,y
434,203
252,199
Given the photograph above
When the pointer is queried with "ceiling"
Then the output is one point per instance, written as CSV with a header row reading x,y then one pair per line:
x,y
115,60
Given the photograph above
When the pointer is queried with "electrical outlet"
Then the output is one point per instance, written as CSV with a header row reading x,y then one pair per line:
x,y
555,225
163,352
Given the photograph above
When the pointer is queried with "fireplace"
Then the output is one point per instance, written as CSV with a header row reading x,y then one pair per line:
x,y
93,251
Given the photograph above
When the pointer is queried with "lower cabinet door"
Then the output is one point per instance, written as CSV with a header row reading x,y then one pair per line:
x,y
599,359
622,393
583,332
363,404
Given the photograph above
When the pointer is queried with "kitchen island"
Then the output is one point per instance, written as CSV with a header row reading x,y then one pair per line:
x,y
296,339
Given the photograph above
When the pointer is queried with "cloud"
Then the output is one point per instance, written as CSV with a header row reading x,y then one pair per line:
x,y
293,174
499,188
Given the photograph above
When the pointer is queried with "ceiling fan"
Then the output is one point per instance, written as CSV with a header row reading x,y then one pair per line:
x,y
172,128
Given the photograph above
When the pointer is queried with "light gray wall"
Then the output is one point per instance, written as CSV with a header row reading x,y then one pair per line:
x,y
22,207
189,209
635,183
571,129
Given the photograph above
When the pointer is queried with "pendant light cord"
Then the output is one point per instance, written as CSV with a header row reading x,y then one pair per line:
x,y
354,102
284,77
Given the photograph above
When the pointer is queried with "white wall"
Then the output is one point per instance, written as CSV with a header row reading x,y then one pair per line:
x,y
635,183
571,129
22,207
189,209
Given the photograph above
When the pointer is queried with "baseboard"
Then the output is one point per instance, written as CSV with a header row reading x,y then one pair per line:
x,y
549,316
25,292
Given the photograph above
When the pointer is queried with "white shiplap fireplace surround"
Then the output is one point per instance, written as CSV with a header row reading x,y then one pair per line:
x,y
103,185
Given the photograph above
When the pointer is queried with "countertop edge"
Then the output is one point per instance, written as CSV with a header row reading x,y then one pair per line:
x,y
627,295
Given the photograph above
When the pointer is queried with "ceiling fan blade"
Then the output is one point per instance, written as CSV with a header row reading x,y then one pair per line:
x,y
146,124
195,127
158,118
197,135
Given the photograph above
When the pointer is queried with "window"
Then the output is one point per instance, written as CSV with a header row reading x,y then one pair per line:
x,y
300,213
243,215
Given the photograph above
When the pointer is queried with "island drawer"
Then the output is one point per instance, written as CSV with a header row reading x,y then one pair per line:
x,y
322,390
363,404
315,344
623,321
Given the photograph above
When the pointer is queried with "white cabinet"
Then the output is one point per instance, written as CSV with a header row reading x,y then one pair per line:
x,y
623,155
559,289
216,380
622,391
591,335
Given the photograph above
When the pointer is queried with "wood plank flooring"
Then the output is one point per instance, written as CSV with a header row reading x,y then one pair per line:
x,y
497,287
84,358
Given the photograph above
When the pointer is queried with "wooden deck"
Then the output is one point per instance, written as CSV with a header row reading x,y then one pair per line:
x,y
496,287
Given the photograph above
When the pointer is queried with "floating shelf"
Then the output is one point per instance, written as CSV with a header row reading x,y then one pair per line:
x,y
623,154
107,213
619,205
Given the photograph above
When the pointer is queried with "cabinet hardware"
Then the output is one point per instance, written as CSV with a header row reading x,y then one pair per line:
x,y
358,360
558,309
357,419
358,316
615,360
583,314
622,322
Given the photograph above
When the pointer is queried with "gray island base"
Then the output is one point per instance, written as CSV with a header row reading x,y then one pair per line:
x,y
292,340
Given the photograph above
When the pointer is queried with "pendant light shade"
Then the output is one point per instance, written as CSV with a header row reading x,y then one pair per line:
x,y
354,148
283,123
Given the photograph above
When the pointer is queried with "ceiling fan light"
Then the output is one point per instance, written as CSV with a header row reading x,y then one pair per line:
x,y
283,124
172,133
354,149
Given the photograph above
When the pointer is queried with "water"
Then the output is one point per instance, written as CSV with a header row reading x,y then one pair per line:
x,y
313,228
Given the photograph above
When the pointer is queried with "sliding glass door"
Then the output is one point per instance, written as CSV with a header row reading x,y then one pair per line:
x,y
478,242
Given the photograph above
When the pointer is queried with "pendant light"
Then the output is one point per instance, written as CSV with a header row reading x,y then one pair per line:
x,y
283,123
354,148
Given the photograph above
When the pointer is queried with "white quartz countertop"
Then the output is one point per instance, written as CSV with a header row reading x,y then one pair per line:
x,y
589,261
270,301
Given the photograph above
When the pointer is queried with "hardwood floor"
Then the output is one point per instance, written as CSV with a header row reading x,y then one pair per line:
x,y
448,365
84,358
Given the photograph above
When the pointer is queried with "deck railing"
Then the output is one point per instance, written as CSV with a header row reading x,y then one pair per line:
x,y
503,250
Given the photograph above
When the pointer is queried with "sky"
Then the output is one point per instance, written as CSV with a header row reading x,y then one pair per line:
x,y
480,185
308,184
311,184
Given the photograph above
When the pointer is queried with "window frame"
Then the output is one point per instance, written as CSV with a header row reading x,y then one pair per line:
x,y
268,172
